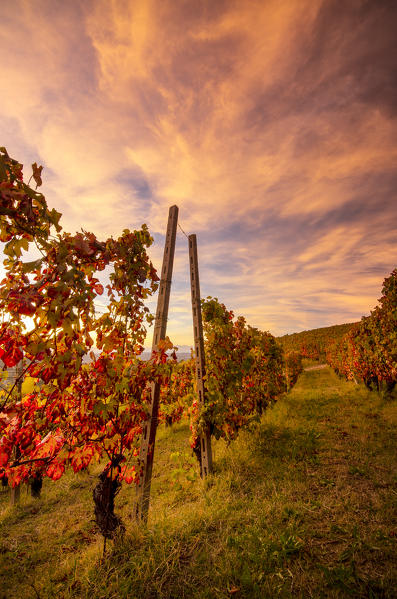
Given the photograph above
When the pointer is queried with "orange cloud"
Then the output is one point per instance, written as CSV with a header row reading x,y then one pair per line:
x,y
271,125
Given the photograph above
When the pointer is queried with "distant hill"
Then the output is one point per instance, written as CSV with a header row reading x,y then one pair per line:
x,y
183,353
313,343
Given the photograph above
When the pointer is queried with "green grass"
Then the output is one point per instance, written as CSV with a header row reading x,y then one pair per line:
x,y
303,505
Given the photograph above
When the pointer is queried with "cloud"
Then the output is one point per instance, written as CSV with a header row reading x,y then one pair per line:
x,y
271,125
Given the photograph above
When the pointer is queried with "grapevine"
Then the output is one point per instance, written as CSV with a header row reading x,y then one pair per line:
x,y
78,412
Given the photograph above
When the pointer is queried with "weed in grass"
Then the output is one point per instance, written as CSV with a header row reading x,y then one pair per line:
x,y
289,544
335,529
291,514
342,577
184,471
357,471
326,482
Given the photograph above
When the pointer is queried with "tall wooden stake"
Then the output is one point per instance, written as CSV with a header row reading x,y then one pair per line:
x,y
205,437
149,431
15,493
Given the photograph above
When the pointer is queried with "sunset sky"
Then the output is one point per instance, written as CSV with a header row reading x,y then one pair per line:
x,y
271,124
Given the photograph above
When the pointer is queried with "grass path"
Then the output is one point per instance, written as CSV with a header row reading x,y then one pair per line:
x,y
303,505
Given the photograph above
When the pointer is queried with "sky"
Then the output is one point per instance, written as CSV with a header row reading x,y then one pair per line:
x,y
271,124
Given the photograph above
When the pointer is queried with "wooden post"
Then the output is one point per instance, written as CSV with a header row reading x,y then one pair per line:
x,y
15,494
149,430
205,437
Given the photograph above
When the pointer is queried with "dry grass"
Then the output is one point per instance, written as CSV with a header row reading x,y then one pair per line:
x,y
303,505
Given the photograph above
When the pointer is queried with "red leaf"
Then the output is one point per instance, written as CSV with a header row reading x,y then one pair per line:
x,y
12,358
26,309
129,475
98,288
55,471
3,458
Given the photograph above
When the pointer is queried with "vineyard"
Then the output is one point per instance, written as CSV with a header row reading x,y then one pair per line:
x,y
368,352
78,422
80,412
314,344
364,351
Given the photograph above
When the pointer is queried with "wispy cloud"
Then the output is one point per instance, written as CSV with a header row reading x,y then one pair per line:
x,y
271,125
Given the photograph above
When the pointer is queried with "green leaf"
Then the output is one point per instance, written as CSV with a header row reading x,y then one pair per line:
x,y
37,174
14,247
31,266
31,192
54,218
